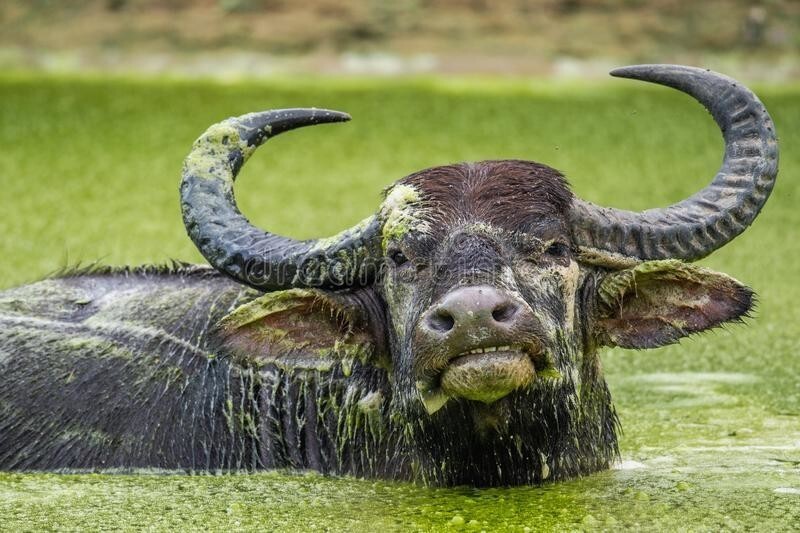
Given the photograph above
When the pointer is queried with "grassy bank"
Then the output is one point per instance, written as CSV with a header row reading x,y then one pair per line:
x,y
89,170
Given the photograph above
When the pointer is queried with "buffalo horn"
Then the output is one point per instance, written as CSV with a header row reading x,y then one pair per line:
x,y
234,246
706,221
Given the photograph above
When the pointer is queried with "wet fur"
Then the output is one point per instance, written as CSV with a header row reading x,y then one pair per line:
x,y
125,367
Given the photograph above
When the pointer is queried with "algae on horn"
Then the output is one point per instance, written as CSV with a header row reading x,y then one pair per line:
x,y
231,244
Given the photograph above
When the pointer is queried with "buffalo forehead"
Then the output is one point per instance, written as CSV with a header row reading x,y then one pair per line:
x,y
516,196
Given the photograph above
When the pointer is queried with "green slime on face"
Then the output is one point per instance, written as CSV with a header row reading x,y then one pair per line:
x,y
399,214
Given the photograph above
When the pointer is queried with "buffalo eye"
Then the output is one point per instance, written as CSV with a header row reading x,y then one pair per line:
x,y
398,258
558,250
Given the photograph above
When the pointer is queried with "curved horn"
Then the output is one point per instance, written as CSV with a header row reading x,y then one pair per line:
x,y
235,247
709,219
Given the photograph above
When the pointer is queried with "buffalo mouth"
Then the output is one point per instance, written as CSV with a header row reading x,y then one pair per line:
x,y
484,374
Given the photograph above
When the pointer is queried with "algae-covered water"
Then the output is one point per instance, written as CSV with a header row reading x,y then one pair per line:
x,y
698,457
711,427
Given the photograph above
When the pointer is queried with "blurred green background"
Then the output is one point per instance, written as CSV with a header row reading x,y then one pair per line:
x,y
101,100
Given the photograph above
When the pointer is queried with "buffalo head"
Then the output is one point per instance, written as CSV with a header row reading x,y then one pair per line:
x,y
489,287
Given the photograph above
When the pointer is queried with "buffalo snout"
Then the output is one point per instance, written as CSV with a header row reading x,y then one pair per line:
x,y
477,342
468,317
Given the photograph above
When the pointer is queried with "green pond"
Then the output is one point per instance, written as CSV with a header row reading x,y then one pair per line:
x,y
711,427
697,456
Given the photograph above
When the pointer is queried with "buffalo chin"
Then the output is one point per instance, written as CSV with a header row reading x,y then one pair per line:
x,y
487,377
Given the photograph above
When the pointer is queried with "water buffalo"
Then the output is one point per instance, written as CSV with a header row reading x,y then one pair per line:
x,y
451,338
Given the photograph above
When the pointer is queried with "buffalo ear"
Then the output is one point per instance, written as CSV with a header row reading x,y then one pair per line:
x,y
306,329
658,302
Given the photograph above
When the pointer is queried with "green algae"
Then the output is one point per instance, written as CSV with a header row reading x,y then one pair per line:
x,y
400,214
706,466
617,284
325,243
637,500
47,298
296,329
212,148
266,305
91,347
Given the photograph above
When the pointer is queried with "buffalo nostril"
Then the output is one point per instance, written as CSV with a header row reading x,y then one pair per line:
x,y
441,320
504,312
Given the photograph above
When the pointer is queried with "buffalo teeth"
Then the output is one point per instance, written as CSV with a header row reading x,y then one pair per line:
x,y
489,349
